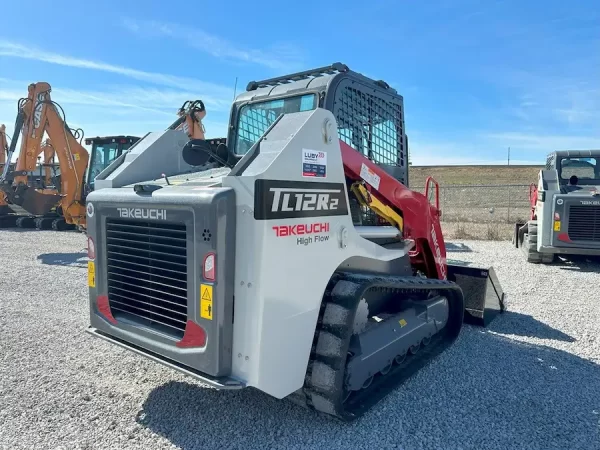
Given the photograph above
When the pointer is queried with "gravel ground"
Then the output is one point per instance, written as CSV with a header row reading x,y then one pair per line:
x,y
531,381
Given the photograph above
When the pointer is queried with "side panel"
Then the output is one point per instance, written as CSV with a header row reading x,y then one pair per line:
x,y
155,154
293,232
547,186
147,285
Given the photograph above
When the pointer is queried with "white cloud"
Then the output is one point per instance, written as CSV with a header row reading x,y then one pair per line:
x,y
280,56
202,88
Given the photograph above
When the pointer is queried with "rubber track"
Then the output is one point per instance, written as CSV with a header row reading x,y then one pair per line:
x,y
324,381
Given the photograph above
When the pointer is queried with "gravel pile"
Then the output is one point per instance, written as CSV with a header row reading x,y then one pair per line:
x,y
531,381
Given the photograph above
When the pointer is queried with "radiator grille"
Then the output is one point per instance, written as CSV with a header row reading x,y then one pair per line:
x,y
147,273
584,223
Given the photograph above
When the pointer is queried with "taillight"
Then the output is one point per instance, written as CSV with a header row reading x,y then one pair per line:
x,y
208,267
91,248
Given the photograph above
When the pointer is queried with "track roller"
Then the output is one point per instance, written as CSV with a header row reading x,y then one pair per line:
x,y
25,222
61,225
354,365
43,223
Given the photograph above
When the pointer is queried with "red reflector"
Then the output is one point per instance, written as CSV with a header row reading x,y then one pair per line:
x,y
208,267
104,308
194,336
91,248
563,237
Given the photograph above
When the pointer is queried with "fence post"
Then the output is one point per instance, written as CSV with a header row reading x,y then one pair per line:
x,y
508,209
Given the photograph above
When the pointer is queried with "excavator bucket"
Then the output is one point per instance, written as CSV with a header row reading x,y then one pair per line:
x,y
484,297
33,201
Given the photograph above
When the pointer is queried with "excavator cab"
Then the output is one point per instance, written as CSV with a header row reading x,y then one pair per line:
x,y
104,151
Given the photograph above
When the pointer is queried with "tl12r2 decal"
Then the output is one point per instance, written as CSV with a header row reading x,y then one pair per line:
x,y
275,199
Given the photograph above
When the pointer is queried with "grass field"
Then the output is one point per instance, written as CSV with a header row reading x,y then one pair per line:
x,y
446,175
479,212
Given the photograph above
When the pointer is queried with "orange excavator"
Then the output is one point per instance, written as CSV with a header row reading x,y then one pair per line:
x,y
61,207
8,216
6,213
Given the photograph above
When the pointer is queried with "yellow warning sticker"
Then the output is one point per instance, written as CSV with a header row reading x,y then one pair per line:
x,y
402,322
91,274
206,296
556,225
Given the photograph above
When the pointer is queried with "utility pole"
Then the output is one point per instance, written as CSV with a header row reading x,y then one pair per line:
x,y
508,156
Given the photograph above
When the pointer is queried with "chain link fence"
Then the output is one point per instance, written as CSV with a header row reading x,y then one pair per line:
x,y
481,211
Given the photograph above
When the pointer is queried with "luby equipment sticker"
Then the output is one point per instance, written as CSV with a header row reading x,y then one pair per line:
x,y
314,163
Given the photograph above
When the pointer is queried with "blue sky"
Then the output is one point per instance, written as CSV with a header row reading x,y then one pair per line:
x,y
477,77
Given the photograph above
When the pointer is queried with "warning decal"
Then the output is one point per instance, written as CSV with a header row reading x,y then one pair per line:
x,y
91,274
206,295
314,163
369,176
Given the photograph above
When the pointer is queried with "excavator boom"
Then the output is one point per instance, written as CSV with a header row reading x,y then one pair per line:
x,y
3,145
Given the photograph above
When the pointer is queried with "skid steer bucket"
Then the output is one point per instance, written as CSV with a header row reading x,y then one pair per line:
x,y
484,298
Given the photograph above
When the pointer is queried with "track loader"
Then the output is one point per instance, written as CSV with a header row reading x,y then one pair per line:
x,y
565,208
294,260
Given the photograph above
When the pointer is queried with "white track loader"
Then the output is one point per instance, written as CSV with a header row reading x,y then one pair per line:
x,y
294,260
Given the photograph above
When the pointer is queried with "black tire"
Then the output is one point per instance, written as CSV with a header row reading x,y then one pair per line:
x,y
530,246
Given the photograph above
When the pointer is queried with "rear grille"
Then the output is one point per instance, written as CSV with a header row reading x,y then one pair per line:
x,y
147,273
584,223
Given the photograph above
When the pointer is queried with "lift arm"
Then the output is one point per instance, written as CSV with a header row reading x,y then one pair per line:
x,y
411,212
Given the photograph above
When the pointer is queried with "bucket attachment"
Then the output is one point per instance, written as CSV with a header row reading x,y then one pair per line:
x,y
33,201
484,298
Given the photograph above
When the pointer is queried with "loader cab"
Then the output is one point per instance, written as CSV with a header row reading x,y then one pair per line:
x,y
104,151
575,168
579,171
369,113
